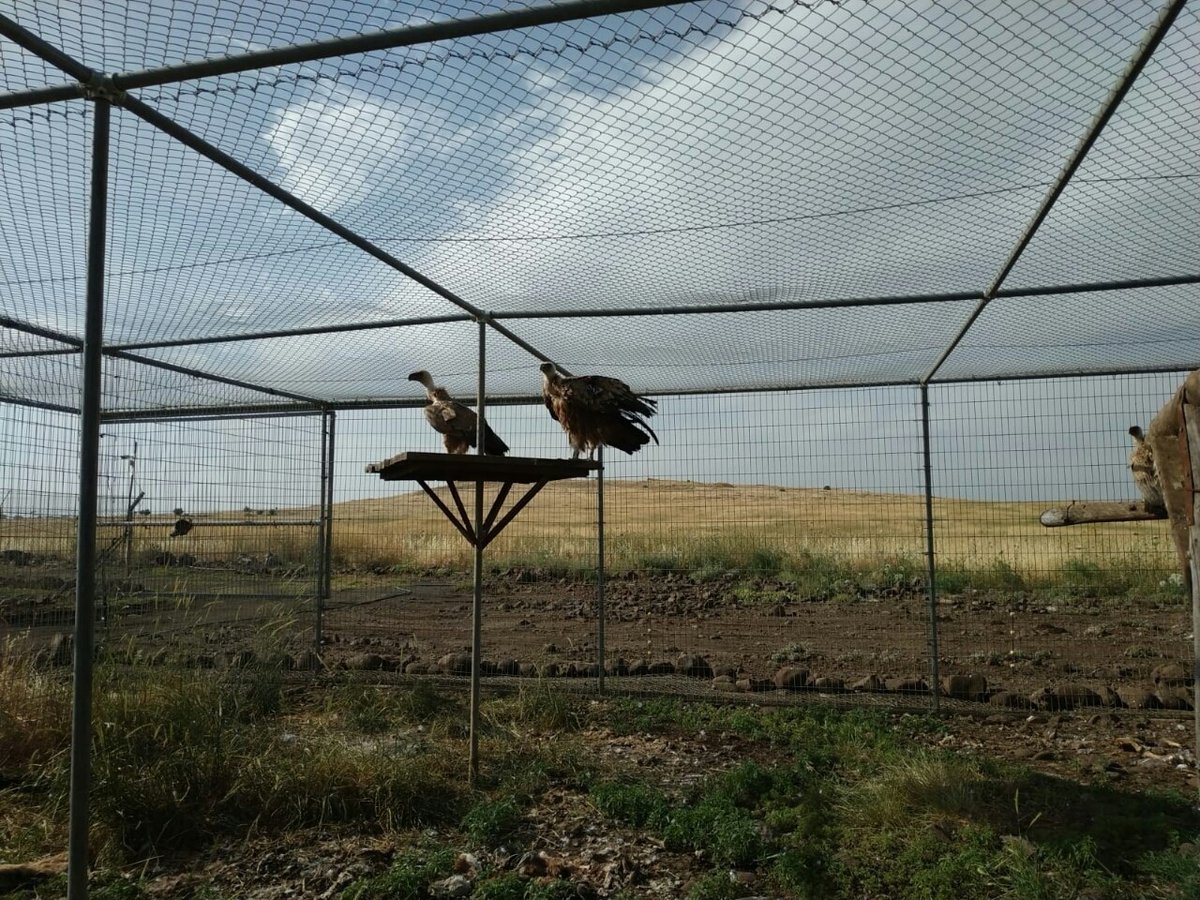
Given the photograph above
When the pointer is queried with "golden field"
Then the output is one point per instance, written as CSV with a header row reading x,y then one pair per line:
x,y
651,523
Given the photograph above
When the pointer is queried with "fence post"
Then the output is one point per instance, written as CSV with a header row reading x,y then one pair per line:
x,y
600,566
89,471
935,686
477,593
325,537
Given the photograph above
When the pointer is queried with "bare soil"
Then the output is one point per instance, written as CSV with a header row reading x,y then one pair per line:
x,y
387,624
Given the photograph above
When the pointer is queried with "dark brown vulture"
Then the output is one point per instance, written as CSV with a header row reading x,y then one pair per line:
x,y
1145,472
454,421
182,527
596,409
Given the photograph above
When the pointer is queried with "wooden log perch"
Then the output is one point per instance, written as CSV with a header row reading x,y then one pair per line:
x,y
1084,512
1176,470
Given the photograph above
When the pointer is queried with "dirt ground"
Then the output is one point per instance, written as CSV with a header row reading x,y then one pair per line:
x,y
381,626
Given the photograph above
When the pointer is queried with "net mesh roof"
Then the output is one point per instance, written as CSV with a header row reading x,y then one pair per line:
x,y
748,172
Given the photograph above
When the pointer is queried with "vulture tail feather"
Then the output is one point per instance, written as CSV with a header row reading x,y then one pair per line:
x,y
492,444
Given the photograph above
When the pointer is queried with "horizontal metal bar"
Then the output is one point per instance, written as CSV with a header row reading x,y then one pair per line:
x,y
1077,373
196,522
714,308
23,354
208,376
388,39
18,325
212,413
885,300
40,331
295,332
38,404
38,96
1096,287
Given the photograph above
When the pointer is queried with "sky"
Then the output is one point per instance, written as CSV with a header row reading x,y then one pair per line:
x,y
699,154
708,153
1038,440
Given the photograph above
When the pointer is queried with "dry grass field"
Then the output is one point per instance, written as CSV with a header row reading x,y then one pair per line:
x,y
659,525
692,526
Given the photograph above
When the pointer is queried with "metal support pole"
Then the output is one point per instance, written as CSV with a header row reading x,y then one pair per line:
x,y
1150,41
325,538
480,540
930,557
89,473
600,654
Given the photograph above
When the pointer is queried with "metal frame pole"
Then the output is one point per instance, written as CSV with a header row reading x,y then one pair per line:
x,y
1145,51
477,597
600,612
325,538
930,556
89,472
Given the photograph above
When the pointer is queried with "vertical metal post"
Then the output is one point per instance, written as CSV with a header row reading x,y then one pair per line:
x,y
325,537
600,565
930,558
480,537
89,473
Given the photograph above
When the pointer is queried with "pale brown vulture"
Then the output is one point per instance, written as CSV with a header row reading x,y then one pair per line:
x,y
1145,472
454,421
596,409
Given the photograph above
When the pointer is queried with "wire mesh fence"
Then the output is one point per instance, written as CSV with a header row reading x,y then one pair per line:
x,y
208,534
768,531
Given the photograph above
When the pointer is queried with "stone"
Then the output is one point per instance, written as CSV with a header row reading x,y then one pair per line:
x,y
1175,697
693,665
965,687
455,664
1170,675
911,684
871,683
791,678
1010,700
365,662
1137,697
829,684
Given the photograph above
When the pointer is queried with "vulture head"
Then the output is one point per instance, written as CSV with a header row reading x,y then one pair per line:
x,y
422,376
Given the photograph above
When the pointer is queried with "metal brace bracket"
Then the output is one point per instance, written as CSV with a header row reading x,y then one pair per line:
x,y
101,87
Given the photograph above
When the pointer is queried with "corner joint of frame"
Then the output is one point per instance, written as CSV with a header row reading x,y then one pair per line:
x,y
102,87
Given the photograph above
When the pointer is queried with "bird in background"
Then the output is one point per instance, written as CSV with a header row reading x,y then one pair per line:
x,y
181,527
454,421
1145,472
596,409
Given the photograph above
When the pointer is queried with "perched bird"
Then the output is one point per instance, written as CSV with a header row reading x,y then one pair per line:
x,y
182,527
455,422
596,409
1145,472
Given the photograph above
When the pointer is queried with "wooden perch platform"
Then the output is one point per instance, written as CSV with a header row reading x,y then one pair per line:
x,y
1084,513
473,467
506,470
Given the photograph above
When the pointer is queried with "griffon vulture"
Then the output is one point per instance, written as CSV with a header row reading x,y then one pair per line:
x,y
455,422
595,410
1145,472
